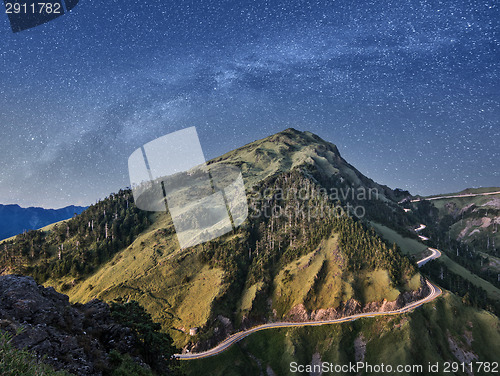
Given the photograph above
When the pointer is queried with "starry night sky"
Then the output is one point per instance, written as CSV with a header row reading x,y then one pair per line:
x,y
408,90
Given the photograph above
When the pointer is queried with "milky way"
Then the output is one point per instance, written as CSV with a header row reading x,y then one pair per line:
x,y
408,90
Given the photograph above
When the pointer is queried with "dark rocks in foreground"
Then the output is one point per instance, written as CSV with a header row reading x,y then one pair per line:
x,y
74,337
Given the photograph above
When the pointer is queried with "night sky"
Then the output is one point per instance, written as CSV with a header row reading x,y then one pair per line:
x,y
408,90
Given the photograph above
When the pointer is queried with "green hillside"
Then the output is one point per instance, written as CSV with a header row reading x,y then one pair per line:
x,y
301,252
473,220
265,270
14,362
408,245
465,229
467,191
443,330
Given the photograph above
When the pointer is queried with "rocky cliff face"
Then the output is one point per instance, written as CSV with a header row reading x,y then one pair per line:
x,y
300,314
77,338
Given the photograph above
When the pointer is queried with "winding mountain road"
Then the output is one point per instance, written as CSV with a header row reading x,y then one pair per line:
x,y
435,291
435,254
420,228
421,237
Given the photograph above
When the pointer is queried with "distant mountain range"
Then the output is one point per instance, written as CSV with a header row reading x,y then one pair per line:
x,y
15,219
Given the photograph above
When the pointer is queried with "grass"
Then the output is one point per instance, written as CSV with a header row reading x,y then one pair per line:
x,y
494,263
47,228
178,290
493,292
318,281
194,311
376,286
408,246
470,228
172,284
459,226
418,337
14,362
330,289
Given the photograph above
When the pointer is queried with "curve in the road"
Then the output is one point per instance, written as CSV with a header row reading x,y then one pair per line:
x,y
434,255
420,228
435,291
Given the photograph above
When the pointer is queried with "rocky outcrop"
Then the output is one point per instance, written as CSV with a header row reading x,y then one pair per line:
x,y
351,307
299,313
222,328
77,338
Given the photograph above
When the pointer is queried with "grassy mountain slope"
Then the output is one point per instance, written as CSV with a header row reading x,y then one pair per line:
x,y
443,330
472,220
409,246
299,265
272,267
14,362
465,229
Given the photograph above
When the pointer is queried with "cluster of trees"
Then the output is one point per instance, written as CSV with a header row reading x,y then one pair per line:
x,y
78,246
154,346
288,226
484,240
471,294
385,212
366,251
468,254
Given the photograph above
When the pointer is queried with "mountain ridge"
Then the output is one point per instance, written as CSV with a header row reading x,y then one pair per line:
x,y
15,219
300,147
270,268
324,262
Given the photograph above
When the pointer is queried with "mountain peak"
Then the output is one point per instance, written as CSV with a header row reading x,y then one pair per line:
x,y
291,148
291,131
302,138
